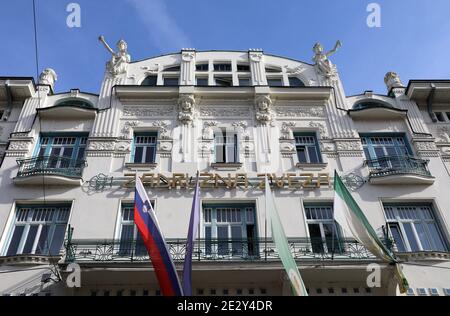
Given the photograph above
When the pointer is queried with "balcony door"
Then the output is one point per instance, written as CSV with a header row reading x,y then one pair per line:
x,y
59,151
386,151
323,229
229,231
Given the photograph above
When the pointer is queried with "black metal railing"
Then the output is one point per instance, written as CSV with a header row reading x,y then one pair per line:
x,y
217,250
391,165
50,165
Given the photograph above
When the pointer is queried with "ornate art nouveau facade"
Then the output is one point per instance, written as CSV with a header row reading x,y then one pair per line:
x,y
70,158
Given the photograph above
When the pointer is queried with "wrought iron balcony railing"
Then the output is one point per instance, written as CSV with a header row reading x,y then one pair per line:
x,y
256,250
50,165
397,165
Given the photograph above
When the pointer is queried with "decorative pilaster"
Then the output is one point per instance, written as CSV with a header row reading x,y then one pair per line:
x,y
256,58
187,67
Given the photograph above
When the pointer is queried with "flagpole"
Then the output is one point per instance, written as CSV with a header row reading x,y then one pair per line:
x,y
265,228
198,233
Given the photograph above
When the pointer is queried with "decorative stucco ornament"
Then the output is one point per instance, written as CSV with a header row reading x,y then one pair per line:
x,y
48,77
323,64
264,113
392,80
119,60
186,104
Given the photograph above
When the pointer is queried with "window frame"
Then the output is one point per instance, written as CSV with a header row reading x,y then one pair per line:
x,y
225,145
337,231
80,143
306,146
144,152
171,78
31,211
370,149
150,76
272,78
291,78
411,222
213,224
217,66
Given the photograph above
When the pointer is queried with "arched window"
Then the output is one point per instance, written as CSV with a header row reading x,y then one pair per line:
x,y
295,82
75,102
369,104
150,80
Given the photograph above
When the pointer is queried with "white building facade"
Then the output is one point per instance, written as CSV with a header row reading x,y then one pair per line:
x,y
69,161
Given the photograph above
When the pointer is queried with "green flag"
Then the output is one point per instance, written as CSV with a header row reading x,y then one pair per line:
x,y
352,220
282,245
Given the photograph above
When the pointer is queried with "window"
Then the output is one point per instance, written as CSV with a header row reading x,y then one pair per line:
x,y
440,116
224,81
295,82
170,81
144,148
38,229
202,67
376,147
230,230
75,102
172,68
244,82
225,145
243,68
274,82
222,67
307,148
273,69
150,81
63,151
131,243
414,228
202,81
323,229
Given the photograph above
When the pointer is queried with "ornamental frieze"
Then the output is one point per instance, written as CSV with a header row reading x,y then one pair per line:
x,y
427,145
148,111
101,145
348,146
225,111
300,111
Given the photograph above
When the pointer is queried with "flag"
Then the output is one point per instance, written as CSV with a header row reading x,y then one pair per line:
x,y
352,220
282,245
192,233
148,227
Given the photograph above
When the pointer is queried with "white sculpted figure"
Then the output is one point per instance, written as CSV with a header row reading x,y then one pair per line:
x,y
392,80
324,65
48,77
264,112
186,103
120,60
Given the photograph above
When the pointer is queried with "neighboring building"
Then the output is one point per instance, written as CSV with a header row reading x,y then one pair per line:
x,y
67,177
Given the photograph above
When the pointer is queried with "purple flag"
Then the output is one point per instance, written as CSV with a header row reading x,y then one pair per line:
x,y
193,228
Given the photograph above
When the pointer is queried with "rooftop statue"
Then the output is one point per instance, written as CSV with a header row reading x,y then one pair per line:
x,y
119,60
48,77
392,80
324,65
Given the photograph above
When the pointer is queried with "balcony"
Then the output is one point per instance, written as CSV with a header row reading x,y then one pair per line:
x,y
259,250
399,170
52,170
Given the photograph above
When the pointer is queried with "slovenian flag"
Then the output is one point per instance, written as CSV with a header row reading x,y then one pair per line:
x,y
147,225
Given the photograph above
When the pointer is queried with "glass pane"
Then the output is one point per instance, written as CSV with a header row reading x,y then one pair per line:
x,y
126,240
80,155
222,236
57,240
220,153
43,243
150,155
438,244
316,238
332,239
28,248
208,240
140,249
301,154
67,152
423,236
138,154
411,238
15,241
395,231
231,153
236,235
313,157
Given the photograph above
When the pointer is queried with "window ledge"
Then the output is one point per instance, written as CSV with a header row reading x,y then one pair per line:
x,y
226,166
28,259
132,165
424,256
311,166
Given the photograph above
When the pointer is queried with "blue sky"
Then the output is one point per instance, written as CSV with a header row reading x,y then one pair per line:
x,y
414,39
